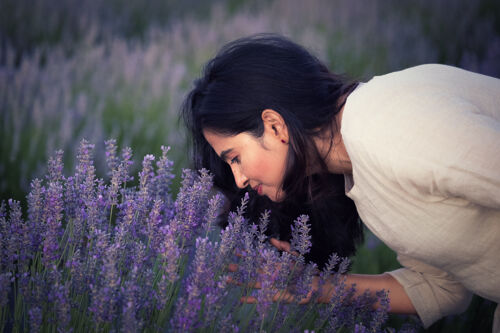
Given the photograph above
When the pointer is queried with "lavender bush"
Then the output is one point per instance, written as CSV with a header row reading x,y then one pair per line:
x,y
96,255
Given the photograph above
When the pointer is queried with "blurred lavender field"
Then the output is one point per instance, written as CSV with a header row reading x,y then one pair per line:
x,y
119,69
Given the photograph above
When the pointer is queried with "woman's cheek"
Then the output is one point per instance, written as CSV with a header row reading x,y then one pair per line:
x,y
265,168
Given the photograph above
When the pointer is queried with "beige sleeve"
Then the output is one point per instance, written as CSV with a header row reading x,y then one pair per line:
x,y
433,292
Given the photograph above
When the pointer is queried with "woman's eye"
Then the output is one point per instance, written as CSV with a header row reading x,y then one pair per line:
x,y
234,160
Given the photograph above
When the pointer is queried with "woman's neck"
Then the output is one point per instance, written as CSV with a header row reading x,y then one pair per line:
x,y
337,160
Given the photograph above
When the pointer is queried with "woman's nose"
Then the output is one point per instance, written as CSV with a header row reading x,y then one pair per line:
x,y
240,179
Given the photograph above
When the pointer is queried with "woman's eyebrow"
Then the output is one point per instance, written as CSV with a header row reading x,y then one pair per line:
x,y
224,153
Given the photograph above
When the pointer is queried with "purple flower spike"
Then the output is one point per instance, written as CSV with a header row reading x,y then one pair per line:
x,y
164,176
360,328
15,237
200,282
153,225
63,307
231,234
226,325
380,315
105,298
36,204
116,170
170,254
268,278
76,266
127,157
111,158
5,283
248,266
301,239
130,293
35,316
55,168
85,166
263,223
4,231
146,178
214,206
192,204
53,228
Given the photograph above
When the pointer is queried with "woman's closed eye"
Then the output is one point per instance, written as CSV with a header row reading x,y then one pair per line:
x,y
234,160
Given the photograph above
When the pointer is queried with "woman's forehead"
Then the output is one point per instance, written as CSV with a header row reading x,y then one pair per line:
x,y
223,143
240,139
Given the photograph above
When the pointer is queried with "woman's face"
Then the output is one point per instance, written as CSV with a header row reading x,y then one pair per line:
x,y
256,162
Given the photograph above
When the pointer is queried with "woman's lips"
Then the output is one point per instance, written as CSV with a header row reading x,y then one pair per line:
x,y
259,189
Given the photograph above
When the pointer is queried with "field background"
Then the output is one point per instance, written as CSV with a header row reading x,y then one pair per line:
x,y
73,69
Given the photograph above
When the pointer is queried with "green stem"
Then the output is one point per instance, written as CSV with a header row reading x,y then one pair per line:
x,y
110,216
68,230
3,314
279,300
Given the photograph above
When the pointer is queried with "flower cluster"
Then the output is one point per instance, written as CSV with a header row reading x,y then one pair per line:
x,y
111,256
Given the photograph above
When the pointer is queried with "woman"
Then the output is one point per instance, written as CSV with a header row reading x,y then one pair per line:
x,y
419,151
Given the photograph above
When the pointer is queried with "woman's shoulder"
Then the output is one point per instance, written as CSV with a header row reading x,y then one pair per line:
x,y
419,113
414,98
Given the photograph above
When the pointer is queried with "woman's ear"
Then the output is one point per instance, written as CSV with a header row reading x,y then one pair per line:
x,y
275,125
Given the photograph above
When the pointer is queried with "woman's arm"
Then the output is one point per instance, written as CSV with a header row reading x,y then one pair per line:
x,y
399,300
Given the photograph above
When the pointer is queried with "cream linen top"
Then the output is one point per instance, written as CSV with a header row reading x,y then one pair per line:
x,y
425,150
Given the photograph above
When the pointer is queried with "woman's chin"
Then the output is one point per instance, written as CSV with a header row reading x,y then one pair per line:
x,y
276,197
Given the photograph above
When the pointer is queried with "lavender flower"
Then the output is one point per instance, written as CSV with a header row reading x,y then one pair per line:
x,y
170,253
192,203
146,178
248,266
230,235
213,211
111,158
86,180
52,228
99,241
35,317
118,170
146,298
268,279
40,289
125,165
200,283
35,213
77,270
263,223
55,168
4,231
164,176
302,284
62,306
147,269
380,316
130,294
5,284
15,229
226,325
105,297
360,328
301,238
85,167
23,284
154,223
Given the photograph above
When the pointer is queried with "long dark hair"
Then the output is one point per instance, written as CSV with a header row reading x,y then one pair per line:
x,y
268,71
